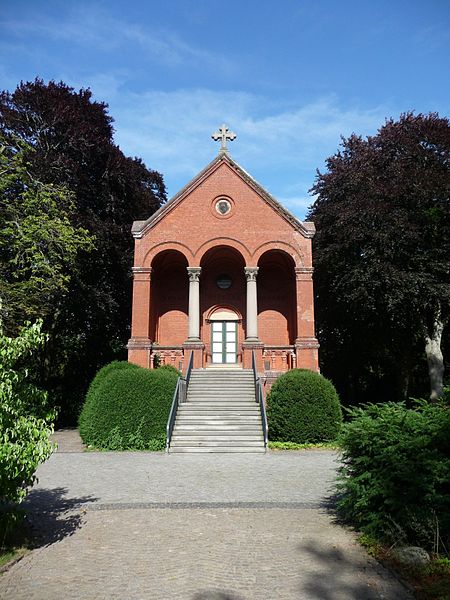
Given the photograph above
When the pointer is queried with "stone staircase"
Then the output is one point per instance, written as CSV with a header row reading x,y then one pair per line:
x,y
220,414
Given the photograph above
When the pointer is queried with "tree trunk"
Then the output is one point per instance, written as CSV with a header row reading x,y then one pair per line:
x,y
435,358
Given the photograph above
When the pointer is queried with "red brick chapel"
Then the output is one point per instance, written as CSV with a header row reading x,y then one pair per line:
x,y
223,269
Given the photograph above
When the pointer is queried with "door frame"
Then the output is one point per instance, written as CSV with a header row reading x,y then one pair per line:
x,y
224,342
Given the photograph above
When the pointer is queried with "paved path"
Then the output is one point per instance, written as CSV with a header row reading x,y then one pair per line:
x,y
147,526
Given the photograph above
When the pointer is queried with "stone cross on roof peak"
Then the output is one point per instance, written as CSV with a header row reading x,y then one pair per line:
x,y
223,135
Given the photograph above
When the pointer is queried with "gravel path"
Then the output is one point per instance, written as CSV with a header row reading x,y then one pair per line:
x,y
150,526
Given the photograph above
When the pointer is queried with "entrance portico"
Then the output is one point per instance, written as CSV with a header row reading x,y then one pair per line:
x,y
223,269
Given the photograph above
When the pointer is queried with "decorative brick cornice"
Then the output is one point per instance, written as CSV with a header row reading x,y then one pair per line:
x,y
142,273
307,343
139,344
304,273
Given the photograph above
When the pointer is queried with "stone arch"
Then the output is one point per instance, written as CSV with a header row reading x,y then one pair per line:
x,y
277,297
170,294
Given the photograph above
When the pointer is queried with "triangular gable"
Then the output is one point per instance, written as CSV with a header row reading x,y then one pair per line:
x,y
140,228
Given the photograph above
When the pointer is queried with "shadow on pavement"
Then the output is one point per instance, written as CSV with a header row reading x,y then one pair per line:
x,y
334,576
52,516
216,595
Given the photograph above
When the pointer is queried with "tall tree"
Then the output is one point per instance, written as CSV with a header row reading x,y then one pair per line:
x,y
71,142
382,251
38,244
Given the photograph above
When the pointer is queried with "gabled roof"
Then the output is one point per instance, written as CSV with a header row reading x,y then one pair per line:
x,y
140,228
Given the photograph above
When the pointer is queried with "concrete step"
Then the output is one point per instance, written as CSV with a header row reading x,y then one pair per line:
x,y
217,437
219,402
232,389
197,450
237,410
217,430
215,444
208,427
219,419
221,416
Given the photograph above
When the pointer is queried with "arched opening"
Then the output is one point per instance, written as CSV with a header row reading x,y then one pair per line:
x,y
222,301
276,298
170,295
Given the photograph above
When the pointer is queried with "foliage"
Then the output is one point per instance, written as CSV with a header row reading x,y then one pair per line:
x,y
38,245
127,407
171,369
67,142
395,478
303,407
382,256
430,582
306,446
25,421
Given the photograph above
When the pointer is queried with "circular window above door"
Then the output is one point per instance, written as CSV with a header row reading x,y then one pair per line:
x,y
224,282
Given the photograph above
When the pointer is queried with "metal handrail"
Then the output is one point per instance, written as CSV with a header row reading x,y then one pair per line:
x,y
179,396
189,369
260,400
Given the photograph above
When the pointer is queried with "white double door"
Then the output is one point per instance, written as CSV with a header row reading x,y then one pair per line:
x,y
224,342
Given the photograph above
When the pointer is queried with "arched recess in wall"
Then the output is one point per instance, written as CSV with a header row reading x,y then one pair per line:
x,y
222,284
170,298
276,298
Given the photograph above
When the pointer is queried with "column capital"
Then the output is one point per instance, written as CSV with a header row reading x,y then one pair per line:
x,y
251,273
194,273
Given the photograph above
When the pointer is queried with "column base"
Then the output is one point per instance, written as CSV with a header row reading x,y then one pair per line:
x,y
197,347
307,353
139,350
247,347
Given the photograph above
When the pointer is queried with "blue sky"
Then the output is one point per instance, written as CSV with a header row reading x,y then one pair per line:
x,y
289,77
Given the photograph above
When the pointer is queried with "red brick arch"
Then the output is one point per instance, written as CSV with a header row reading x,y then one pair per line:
x,y
294,253
154,251
225,242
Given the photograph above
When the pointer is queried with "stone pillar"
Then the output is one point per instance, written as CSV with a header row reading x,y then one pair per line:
x,y
194,303
139,345
252,304
306,344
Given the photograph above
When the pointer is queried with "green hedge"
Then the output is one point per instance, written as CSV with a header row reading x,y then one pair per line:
x,y
127,407
395,478
303,407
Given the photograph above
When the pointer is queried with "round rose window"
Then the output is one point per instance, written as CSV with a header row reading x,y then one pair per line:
x,y
223,206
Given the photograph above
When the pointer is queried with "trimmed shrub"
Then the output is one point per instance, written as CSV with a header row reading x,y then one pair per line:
x,y
127,407
395,479
302,407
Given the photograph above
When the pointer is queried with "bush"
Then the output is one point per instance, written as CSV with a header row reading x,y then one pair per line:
x,y
303,407
395,479
26,423
127,407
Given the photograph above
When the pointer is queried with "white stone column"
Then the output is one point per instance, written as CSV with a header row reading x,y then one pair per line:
x,y
194,303
252,304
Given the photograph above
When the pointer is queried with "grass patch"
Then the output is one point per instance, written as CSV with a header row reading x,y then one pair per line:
x,y
305,446
11,554
14,535
431,582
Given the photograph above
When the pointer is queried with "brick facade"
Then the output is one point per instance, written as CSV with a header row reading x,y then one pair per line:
x,y
189,251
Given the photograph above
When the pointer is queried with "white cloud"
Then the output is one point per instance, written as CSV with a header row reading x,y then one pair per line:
x,y
90,26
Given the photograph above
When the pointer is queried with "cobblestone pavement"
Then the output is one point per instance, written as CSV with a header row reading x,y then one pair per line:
x,y
138,526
